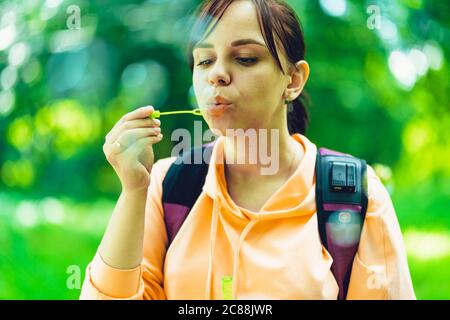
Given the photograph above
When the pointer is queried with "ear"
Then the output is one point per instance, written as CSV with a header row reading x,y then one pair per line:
x,y
298,77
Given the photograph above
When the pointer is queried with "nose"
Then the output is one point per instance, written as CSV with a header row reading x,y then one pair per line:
x,y
218,75
218,82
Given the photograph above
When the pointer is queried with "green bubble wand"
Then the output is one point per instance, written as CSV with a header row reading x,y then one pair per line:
x,y
156,114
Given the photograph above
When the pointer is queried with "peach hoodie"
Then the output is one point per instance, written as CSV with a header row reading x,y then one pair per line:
x,y
272,254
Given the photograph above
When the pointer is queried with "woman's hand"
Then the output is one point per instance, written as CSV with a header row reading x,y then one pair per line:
x,y
128,148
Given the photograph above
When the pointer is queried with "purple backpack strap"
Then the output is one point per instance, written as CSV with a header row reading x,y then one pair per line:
x,y
341,201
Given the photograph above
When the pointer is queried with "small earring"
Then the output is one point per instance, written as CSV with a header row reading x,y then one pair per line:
x,y
286,101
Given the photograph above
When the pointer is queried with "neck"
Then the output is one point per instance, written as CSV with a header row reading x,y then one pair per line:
x,y
264,154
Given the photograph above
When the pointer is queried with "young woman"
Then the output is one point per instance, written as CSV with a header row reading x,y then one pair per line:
x,y
258,231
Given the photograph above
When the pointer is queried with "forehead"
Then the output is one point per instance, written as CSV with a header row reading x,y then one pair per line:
x,y
240,21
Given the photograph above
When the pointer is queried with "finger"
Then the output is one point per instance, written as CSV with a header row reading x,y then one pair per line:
x,y
143,142
150,140
132,124
126,141
140,113
129,137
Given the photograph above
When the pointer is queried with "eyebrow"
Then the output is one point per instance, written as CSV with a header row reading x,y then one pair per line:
x,y
237,43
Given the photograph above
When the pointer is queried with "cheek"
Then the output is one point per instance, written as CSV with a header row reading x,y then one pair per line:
x,y
260,88
198,86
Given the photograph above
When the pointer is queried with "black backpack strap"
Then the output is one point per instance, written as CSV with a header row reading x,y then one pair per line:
x,y
341,200
182,185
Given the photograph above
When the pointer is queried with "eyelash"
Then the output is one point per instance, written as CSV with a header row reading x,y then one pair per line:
x,y
247,63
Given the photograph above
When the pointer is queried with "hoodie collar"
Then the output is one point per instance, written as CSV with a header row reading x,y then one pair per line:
x,y
295,197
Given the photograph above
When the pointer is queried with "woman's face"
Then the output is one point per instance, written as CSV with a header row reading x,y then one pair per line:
x,y
234,64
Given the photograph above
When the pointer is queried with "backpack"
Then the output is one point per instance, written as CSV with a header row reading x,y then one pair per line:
x,y
341,201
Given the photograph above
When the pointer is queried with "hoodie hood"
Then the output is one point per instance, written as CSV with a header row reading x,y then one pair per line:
x,y
295,197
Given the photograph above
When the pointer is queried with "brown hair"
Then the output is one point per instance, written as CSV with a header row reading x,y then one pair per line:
x,y
276,18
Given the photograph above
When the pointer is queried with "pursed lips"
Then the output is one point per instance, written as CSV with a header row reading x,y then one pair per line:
x,y
219,100
218,105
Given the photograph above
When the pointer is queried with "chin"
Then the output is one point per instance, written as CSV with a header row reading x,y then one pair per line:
x,y
232,130
218,125
218,129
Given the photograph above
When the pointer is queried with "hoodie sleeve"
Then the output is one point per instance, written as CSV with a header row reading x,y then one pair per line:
x,y
103,282
380,268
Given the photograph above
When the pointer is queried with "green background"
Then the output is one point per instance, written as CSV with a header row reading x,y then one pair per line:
x,y
380,92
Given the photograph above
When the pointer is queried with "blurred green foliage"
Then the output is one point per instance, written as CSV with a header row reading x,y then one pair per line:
x,y
379,91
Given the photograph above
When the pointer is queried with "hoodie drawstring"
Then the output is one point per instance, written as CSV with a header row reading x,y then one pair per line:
x,y
213,238
246,230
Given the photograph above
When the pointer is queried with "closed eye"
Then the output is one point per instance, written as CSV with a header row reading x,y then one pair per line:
x,y
204,62
244,61
247,61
